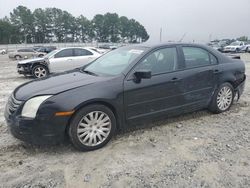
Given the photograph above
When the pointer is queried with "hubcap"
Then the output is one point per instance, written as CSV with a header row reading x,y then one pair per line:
x,y
40,72
94,128
224,98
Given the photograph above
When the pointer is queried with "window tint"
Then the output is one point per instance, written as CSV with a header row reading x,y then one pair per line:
x,y
195,57
160,61
82,52
64,53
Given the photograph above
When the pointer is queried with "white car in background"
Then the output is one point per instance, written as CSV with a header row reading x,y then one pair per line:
x,y
246,47
57,61
3,51
236,46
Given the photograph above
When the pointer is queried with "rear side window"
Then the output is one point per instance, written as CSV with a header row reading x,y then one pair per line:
x,y
64,53
82,52
197,57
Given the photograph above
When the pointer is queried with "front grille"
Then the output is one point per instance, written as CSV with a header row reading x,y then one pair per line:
x,y
12,104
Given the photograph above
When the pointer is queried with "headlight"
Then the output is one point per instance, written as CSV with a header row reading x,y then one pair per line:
x,y
31,106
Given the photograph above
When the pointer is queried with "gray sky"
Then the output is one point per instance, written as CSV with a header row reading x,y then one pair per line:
x,y
199,19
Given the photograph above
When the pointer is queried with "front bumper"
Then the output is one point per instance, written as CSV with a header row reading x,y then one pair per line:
x,y
24,69
41,130
240,88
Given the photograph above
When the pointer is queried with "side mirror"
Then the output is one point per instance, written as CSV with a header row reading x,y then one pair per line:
x,y
142,74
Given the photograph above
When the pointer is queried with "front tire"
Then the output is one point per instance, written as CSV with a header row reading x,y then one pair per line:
x,y
18,57
92,127
39,71
222,99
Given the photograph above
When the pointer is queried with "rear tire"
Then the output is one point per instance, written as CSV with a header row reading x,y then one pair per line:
x,y
92,127
222,98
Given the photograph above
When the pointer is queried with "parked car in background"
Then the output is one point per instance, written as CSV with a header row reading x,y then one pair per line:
x,y
99,50
122,87
25,53
57,61
236,46
46,49
3,51
246,48
36,47
216,46
108,47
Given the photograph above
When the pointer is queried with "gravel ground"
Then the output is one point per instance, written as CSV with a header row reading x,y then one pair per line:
x,y
194,150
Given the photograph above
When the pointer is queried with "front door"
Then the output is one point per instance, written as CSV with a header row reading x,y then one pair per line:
x,y
160,93
62,60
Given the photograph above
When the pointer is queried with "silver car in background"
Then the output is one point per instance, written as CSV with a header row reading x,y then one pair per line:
x,y
25,53
57,61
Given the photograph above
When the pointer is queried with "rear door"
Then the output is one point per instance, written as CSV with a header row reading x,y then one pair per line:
x,y
82,57
62,60
199,76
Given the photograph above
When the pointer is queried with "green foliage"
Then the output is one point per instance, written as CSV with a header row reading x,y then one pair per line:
x,y
56,25
243,38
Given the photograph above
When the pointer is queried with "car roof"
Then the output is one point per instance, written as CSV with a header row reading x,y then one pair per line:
x,y
158,45
73,48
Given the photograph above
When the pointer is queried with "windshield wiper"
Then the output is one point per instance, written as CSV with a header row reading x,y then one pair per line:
x,y
89,72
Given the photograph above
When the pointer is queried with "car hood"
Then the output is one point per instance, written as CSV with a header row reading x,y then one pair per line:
x,y
31,60
55,84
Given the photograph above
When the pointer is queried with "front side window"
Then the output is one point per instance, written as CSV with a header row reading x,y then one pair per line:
x,y
82,52
160,61
196,57
64,53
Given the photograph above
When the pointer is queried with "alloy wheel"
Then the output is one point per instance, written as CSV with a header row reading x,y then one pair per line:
x,y
94,128
224,98
40,72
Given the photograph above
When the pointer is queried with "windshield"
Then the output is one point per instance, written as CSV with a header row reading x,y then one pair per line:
x,y
49,55
114,62
235,44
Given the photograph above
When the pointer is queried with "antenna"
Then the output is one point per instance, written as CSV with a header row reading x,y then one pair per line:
x,y
182,37
160,34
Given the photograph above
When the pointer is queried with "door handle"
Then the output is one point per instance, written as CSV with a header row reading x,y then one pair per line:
x,y
69,59
216,71
175,79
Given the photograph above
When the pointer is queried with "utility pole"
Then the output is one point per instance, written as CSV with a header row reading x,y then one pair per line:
x,y
160,34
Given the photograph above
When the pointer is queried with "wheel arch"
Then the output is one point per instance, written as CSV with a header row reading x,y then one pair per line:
x,y
39,63
100,102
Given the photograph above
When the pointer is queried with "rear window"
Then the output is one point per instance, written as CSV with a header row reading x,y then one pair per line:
x,y
82,52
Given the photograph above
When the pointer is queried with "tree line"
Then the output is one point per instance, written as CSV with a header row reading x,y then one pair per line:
x,y
56,25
